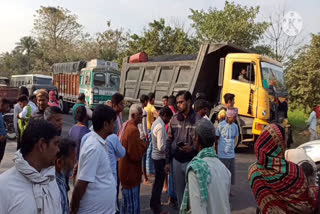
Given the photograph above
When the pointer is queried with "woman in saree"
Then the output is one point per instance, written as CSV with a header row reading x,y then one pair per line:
x,y
279,186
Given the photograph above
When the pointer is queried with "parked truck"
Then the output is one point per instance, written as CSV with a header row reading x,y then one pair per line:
x,y
8,92
33,82
97,79
214,71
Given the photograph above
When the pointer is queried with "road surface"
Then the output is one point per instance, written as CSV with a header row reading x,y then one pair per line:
x,y
242,200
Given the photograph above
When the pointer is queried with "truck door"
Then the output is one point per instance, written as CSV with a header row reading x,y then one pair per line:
x,y
240,80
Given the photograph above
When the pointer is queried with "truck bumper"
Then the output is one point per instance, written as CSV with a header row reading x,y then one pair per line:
x,y
258,126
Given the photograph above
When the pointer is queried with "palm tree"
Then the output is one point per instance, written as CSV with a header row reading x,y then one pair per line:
x,y
28,46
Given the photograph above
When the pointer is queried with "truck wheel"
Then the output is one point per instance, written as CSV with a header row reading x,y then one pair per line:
x,y
65,108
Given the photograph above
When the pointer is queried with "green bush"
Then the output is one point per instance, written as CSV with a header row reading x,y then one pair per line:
x,y
297,118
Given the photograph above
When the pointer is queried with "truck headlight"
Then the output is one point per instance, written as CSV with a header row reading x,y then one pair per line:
x,y
259,126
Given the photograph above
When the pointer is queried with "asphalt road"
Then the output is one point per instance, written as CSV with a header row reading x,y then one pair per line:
x,y
242,200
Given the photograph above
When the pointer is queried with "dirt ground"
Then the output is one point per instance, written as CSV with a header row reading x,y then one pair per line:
x,y
300,136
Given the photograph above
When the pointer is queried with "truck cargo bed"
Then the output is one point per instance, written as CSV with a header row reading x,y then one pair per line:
x,y
166,75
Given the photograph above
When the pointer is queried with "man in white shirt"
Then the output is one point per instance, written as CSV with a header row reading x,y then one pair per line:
x,y
30,186
312,123
24,115
25,104
208,180
95,190
159,138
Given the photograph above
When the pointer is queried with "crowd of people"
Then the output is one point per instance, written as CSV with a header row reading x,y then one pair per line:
x,y
177,144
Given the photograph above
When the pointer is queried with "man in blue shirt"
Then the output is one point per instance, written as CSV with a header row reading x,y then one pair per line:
x,y
4,108
66,159
226,134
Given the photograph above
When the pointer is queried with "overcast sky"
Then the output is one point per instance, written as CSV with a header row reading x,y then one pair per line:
x,y
16,16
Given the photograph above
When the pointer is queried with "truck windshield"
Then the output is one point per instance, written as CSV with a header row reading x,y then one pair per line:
x,y
4,82
99,79
273,76
42,81
114,82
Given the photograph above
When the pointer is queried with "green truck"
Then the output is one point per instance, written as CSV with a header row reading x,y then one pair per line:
x,y
97,79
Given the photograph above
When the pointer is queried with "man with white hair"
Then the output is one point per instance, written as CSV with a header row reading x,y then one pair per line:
x,y
130,166
208,180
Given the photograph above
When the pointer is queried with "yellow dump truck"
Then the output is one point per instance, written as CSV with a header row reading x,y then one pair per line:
x,y
217,69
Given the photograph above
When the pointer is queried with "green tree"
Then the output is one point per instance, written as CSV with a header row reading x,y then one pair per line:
x,y
303,76
57,31
112,43
161,39
13,63
234,24
27,45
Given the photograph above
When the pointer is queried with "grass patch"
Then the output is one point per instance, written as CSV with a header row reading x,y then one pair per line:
x,y
297,118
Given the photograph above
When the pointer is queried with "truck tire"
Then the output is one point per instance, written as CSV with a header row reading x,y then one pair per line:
x,y
64,106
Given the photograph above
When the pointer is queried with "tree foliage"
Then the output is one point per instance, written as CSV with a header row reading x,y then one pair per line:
x,y
303,76
57,31
161,39
27,46
234,24
13,63
112,43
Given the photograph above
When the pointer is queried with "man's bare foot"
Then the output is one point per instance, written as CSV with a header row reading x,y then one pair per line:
x,y
165,189
147,183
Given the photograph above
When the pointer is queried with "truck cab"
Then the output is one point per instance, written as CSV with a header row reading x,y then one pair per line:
x,y
99,81
257,83
4,82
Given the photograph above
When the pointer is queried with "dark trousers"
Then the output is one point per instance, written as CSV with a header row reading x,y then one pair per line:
x,y
155,201
18,139
118,186
2,148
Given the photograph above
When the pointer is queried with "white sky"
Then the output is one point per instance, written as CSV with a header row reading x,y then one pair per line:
x,y
16,16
